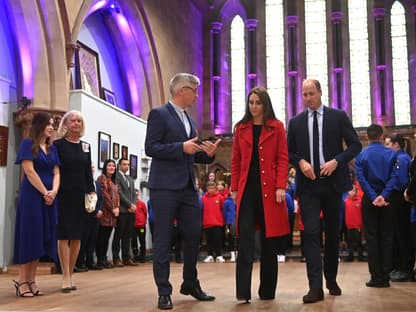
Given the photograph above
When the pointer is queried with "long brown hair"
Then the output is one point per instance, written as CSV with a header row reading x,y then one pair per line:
x,y
39,122
267,104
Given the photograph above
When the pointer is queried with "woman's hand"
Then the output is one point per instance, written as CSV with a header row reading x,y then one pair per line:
x,y
49,197
280,195
116,212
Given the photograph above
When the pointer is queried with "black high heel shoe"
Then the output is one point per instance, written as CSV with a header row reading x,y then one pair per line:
x,y
25,294
36,292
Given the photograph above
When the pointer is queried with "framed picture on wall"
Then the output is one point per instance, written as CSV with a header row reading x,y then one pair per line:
x,y
133,166
109,96
87,70
104,143
124,152
116,150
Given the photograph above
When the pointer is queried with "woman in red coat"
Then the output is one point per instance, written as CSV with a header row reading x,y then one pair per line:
x,y
259,171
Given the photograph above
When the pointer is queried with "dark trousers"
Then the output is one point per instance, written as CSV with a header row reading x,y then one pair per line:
x,y
250,214
379,237
123,232
291,216
354,242
88,242
214,236
139,233
104,233
403,255
167,205
230,237
176,245
320,196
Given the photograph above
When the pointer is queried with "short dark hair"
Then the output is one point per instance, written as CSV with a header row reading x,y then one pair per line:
x,y
374,132
211,183
121,160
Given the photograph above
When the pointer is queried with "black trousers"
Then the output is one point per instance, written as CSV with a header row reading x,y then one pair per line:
x,y
88,242
379,236
354,241
251,213
214,236
139,233
123,233
104,233
403,255
184,206
320,196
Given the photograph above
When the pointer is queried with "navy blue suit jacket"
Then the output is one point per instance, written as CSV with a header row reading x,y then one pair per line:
x,y
337,129
171,168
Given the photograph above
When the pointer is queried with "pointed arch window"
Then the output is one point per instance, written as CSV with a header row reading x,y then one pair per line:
x,y
400,65
275,56
359,63
316,44
238,85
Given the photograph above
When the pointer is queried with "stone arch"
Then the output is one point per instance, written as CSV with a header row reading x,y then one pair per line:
x,y
134,46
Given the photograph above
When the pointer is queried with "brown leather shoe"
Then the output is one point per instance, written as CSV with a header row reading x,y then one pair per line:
x,y
333,288
314,295
118,263
130,262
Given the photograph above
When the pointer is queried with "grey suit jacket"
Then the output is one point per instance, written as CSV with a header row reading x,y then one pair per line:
x,y
127,192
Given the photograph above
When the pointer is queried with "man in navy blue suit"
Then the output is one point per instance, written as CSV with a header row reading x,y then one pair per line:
x,y
316,140
172,142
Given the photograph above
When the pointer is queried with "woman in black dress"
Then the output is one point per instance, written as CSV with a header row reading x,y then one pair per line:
x,y
76,181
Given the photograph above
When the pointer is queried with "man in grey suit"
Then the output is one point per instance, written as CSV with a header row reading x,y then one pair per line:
x,y
125,221
316,140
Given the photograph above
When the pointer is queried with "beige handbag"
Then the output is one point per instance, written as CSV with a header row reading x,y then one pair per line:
x,y
90,202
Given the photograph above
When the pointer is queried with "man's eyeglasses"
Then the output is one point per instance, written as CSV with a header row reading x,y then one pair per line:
x,y
195,90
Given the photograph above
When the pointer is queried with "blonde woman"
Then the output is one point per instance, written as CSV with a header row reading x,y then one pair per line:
x,y
76,181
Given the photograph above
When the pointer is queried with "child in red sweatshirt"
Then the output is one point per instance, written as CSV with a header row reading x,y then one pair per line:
x,y
140,230
213,222
354,222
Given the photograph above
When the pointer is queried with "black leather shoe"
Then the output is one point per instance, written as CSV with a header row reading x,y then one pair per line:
x,y
80,269
377,284
164,303
314,295
197,293
333,288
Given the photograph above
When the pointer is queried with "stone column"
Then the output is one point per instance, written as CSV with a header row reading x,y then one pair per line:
x,y
381,109
292,66
338,69
215,73
251,25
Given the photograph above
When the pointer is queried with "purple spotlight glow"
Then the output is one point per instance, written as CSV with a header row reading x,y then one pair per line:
x,y
97,6
27,69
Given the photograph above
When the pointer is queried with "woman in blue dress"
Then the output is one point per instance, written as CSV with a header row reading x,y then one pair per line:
x,y
36,215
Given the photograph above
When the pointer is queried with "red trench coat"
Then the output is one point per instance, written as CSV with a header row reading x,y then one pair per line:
x,y
273,157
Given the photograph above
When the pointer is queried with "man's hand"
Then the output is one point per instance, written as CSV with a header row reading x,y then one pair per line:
x,y
210,148
329,167
380,201
132,208
406,196
307,169
190,147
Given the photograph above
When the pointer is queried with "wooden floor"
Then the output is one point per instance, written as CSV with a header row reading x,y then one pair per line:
x,y
133,289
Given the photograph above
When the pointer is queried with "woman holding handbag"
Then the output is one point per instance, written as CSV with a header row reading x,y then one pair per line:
x,y
76,181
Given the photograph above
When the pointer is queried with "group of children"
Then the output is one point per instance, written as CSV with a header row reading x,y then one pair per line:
x,y
218,216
